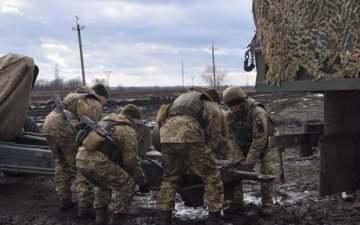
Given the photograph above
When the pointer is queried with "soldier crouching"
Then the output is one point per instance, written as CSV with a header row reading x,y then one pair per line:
x,y
113,167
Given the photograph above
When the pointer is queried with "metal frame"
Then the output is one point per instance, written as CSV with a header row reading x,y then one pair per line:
x,y
303,82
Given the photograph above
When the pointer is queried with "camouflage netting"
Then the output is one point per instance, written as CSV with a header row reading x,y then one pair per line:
x,y
322,36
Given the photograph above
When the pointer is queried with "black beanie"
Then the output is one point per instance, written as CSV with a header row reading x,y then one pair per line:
x,y
132,111
101,90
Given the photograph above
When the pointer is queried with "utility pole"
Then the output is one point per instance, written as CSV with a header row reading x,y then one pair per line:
x,y
182,71
108,77
78,28
213,61
56,72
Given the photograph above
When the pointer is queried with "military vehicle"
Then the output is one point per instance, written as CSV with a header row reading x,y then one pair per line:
x,y
314,46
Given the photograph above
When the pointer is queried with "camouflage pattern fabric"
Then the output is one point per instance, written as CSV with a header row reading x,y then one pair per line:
x,y
219,145
114,186
251,124
321,36
61,142
64,150
184,145
109,177
199,159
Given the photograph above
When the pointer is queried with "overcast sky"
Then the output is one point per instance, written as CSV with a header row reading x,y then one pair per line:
x,y
135,42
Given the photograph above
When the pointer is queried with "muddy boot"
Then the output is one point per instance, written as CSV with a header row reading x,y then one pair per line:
x,y
165,218
86,212
214,219
266,211
101,216
119,219
66,204
233,209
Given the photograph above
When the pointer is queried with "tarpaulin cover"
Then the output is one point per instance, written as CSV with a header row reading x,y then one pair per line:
x,y
16,79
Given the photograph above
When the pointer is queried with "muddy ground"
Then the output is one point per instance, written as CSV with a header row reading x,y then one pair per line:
x,y
32,199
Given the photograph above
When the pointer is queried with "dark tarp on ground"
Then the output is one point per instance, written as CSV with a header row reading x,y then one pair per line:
x,y
16,79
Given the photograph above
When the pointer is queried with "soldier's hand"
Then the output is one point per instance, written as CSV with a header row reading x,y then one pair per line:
x,y
144,188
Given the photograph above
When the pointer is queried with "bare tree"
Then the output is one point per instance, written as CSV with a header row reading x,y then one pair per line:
x,y
100,81
208,77
72,84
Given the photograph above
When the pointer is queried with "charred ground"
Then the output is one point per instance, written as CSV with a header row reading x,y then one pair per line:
x,y
32,199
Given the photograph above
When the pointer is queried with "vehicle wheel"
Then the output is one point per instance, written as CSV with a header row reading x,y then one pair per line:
x,y
30,125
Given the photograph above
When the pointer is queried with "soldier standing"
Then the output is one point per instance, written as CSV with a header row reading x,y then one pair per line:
x,y
185,137
113,166
249,128
61,139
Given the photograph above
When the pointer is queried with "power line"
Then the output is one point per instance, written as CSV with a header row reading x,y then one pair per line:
x,y
78,28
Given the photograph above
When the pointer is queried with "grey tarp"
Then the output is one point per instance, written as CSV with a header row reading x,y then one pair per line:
x,y
16,79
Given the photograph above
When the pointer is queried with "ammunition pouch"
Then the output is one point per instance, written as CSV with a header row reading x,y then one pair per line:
x,y
93,141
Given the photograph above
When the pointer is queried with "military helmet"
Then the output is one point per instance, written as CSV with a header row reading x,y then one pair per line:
x,y
234,94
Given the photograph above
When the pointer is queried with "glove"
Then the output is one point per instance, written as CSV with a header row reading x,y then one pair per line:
x,y
144,188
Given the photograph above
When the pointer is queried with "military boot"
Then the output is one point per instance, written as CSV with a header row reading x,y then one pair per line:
x,y
86,212
66,204
233,209
266,211
214,219
165,218
119,219
101,216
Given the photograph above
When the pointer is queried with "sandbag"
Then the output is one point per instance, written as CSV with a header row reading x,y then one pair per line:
x,y
16,80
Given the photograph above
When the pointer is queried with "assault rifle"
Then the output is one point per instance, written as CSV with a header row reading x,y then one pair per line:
x,y
59,107
84,120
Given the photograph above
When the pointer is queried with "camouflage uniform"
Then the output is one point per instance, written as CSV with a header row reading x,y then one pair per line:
x,y
248,137
184,144
61,141
115,183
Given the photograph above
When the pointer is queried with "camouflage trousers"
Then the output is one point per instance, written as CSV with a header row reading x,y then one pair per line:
x,y
64,150
115,188
199,159
267,188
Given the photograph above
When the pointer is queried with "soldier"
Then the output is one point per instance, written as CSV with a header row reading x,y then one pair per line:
x,y
61,139
113,166
185,137
221,151
249,128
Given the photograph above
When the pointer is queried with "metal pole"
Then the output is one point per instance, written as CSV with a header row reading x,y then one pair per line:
x,y
78,28
182,71
213,59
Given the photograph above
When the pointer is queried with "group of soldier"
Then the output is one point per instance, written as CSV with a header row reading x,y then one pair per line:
x,y
196,130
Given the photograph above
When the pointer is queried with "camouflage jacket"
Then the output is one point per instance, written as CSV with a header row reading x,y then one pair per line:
x,y
185,129
55,125
126,138
247,133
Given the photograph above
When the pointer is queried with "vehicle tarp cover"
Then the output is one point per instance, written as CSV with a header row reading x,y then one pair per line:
x,y
16,80
321,36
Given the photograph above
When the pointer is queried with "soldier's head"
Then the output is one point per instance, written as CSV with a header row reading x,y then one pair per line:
x,y
101,92
131,111
234,98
